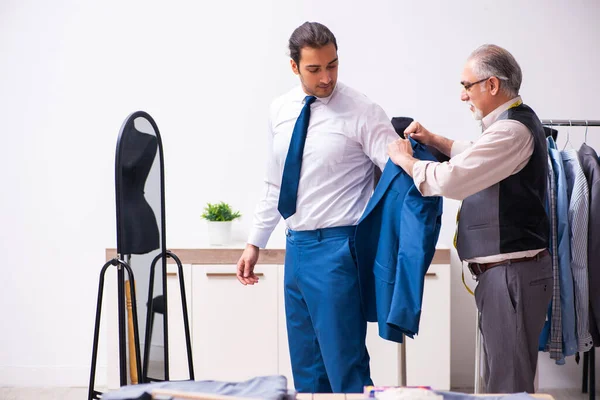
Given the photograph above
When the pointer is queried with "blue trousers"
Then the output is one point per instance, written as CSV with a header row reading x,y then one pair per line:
x,y
325,322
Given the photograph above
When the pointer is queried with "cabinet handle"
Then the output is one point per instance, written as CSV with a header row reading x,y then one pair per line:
x,y
225,274
171,273
430,274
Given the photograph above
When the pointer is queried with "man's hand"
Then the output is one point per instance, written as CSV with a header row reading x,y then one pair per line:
x,y
245,266
400,149
401,154
416,131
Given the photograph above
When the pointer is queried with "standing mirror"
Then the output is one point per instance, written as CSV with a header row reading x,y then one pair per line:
x,y
140,239
141,252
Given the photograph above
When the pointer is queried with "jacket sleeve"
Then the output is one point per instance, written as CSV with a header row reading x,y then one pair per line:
x,y
419,231
594,254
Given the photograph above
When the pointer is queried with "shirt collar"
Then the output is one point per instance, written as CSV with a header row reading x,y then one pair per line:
x,y
300,95
492,117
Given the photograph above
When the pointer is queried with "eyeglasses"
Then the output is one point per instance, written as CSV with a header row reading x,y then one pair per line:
x,y
469,85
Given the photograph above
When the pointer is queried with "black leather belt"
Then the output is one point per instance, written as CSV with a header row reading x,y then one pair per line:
x,y
478,268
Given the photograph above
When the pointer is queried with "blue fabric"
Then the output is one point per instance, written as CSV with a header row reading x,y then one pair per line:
x,y
293,162
325,324
264,387
567,298
395,243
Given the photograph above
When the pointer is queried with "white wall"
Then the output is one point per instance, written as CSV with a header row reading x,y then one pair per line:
x,y
71,71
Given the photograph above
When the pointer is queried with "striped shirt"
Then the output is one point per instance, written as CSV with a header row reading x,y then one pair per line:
x,y
578,195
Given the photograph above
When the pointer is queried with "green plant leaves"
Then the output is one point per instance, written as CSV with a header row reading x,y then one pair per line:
x,y
219,212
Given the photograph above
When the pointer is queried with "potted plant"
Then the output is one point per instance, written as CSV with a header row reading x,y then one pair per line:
x,y
219,217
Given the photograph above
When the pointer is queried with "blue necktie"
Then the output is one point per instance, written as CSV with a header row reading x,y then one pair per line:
x,y
293,162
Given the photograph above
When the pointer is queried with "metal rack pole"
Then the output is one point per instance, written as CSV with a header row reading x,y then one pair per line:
x,y
571,122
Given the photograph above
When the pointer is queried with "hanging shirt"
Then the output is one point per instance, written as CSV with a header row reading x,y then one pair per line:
x,y
551,337
578,195
347,135
567,299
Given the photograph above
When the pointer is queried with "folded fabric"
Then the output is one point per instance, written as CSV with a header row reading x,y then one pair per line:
x,y
463,396
262,387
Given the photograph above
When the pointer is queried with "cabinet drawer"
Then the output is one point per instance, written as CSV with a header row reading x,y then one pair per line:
x,y
428,354
235,330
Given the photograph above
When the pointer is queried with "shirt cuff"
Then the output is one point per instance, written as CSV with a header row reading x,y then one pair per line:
x,y
459,146
419,174
259,237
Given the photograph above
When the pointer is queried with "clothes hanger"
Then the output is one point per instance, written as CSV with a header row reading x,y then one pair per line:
x,y
552,127
568,135
586,129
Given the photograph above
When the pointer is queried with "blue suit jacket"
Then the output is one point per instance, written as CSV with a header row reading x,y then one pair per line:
x,y
395,243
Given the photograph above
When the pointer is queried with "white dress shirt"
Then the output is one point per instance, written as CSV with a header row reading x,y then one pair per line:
x,y
502,150
347,133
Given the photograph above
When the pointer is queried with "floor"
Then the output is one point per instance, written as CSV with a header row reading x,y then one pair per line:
x,y
570,394
81,394
43,393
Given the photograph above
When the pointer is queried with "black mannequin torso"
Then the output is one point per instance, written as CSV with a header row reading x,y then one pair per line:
x,y
137,228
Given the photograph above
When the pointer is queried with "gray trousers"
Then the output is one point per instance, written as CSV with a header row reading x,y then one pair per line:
x,y
513,300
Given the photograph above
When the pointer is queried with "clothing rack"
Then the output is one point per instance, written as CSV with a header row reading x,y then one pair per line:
x,y
589,362
571,122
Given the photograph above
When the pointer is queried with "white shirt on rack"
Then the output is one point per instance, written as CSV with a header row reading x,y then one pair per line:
x,y
347,133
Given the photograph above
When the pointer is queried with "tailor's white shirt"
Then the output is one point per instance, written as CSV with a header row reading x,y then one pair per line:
x,y
347,133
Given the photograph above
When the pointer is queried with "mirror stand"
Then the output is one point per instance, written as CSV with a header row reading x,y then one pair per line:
x,y
121,267
139,154
150,318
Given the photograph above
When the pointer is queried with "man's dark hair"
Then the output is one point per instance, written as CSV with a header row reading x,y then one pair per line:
x,y
309,34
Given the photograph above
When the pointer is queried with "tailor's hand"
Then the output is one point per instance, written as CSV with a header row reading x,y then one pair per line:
x,y
416,131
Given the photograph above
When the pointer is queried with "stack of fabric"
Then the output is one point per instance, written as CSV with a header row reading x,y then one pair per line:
x,y
264,387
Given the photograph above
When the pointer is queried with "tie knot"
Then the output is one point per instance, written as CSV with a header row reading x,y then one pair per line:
x,y
308,100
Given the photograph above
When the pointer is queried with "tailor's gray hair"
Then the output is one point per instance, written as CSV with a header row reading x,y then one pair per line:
x,y
491,60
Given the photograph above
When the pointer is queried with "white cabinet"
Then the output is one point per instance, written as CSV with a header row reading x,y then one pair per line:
x,y
178,365
239,332
385,358
235,327
427,357
284,362
428,354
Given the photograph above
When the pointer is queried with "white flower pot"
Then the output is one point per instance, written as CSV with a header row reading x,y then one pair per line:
x,y
219,233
